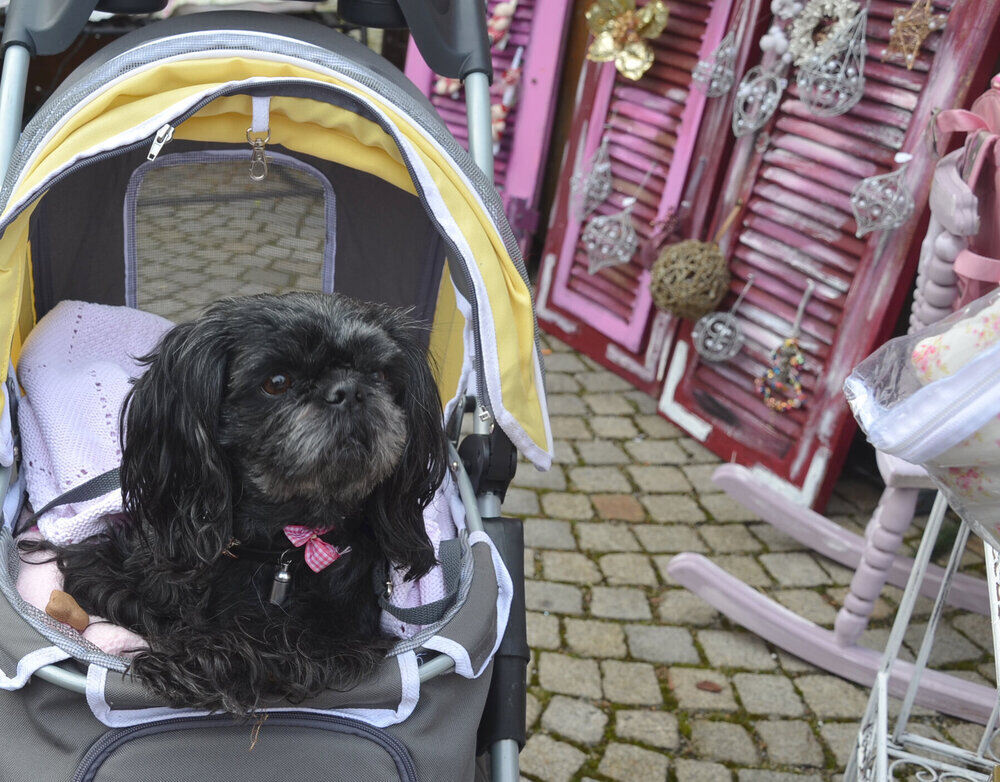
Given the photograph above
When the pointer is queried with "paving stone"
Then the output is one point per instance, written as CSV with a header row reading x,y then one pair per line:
x,y
684,683
832,698
619,603
700,476
567,427
722,507
729,538
520,502
766,775
576,720
774,538
807,604
550,760
566,404
794,569
569,566
599,479
613,427
655,728
633,683
673,507
569,675
532,709
839,737
558,598
564,362
556,382
543,630
529,477
548,533
618,507
643,402
599,452
661,644
657,539
699,453
657,426
949,645
723,741
745,568
562,505
529,562
606,536
701,771
662,563
678,606
658,479
838,574
726,649
563,452
602,380
626,763
609,404
656,452
595,639
768,694
975,627
628,569
789,742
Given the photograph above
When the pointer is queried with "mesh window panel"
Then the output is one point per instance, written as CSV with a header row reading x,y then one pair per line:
x,y
198,229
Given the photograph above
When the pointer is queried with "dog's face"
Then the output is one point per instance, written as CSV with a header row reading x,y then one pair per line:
x,y
312,400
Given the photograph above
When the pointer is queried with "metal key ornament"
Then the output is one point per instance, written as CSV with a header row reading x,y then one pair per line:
x,y
611,240
780,385
831,80
883,202
718,336
592,187
757,98
716,75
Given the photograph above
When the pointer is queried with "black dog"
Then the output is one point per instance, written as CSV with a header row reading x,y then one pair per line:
x,y
266,412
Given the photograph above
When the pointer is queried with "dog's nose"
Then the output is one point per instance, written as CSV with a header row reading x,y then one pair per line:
x,y
345,393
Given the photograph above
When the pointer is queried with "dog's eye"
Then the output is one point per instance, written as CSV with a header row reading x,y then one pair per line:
x,y
277,384
379,375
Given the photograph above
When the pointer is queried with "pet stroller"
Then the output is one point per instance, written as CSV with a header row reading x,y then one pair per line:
x,y
231,153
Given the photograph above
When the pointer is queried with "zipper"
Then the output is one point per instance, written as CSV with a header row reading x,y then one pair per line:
x,y
101,749
165,133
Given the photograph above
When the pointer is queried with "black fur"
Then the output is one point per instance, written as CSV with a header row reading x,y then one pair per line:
x,y
210,457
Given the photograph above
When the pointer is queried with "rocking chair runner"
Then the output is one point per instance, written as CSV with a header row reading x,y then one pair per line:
x,y
964,188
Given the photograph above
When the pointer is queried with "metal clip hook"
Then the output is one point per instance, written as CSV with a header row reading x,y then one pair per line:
x,y
258,157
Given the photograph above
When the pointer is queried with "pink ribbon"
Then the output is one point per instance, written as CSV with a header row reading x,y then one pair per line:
x,y
318,553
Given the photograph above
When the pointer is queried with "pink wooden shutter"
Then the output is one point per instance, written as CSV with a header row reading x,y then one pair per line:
x,y
652,122
539,26
798,225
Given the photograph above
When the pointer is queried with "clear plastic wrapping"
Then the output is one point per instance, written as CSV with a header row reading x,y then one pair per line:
x,y
933,398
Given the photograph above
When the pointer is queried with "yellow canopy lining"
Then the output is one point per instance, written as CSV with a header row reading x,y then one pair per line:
x,y
325,131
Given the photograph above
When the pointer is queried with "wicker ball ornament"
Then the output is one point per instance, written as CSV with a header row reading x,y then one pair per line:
x,y
689,278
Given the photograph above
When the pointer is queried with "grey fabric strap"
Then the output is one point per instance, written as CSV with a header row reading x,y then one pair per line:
x,y
88,490
450,553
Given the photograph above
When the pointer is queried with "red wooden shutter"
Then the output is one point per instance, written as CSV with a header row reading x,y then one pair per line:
x,y
652,122
798,225
539,26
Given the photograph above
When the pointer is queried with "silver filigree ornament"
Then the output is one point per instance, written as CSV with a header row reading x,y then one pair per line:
x,y
718,336
883,202
716,75
757,98
831,80
610,240
592,187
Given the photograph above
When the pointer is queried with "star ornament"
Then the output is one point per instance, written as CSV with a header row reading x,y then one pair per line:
x,y
620,32
910,28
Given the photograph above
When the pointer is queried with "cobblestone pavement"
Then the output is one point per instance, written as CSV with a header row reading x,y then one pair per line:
x,y
633,678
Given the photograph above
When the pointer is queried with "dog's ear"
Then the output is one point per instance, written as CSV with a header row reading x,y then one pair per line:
x,y
399,501
176,481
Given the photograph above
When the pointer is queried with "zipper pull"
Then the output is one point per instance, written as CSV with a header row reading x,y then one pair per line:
x,y
161,139
258,134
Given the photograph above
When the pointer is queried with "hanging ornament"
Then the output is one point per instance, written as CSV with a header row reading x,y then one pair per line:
x,y
757,98
498,25
507,86
883,202
910,28
819,21
620,30
780,385
611,240
831,80
786,9
716,75
718,336
446,86
591,189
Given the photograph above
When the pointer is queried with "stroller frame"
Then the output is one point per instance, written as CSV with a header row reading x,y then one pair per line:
x,y
455,43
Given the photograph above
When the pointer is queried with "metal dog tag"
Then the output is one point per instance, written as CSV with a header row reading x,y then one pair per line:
x,y
282,583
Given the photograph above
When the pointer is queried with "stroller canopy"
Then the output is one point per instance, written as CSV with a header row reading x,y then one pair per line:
x,y
402,213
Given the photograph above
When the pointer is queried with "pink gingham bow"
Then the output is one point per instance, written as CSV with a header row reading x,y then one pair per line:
x,y
318,554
